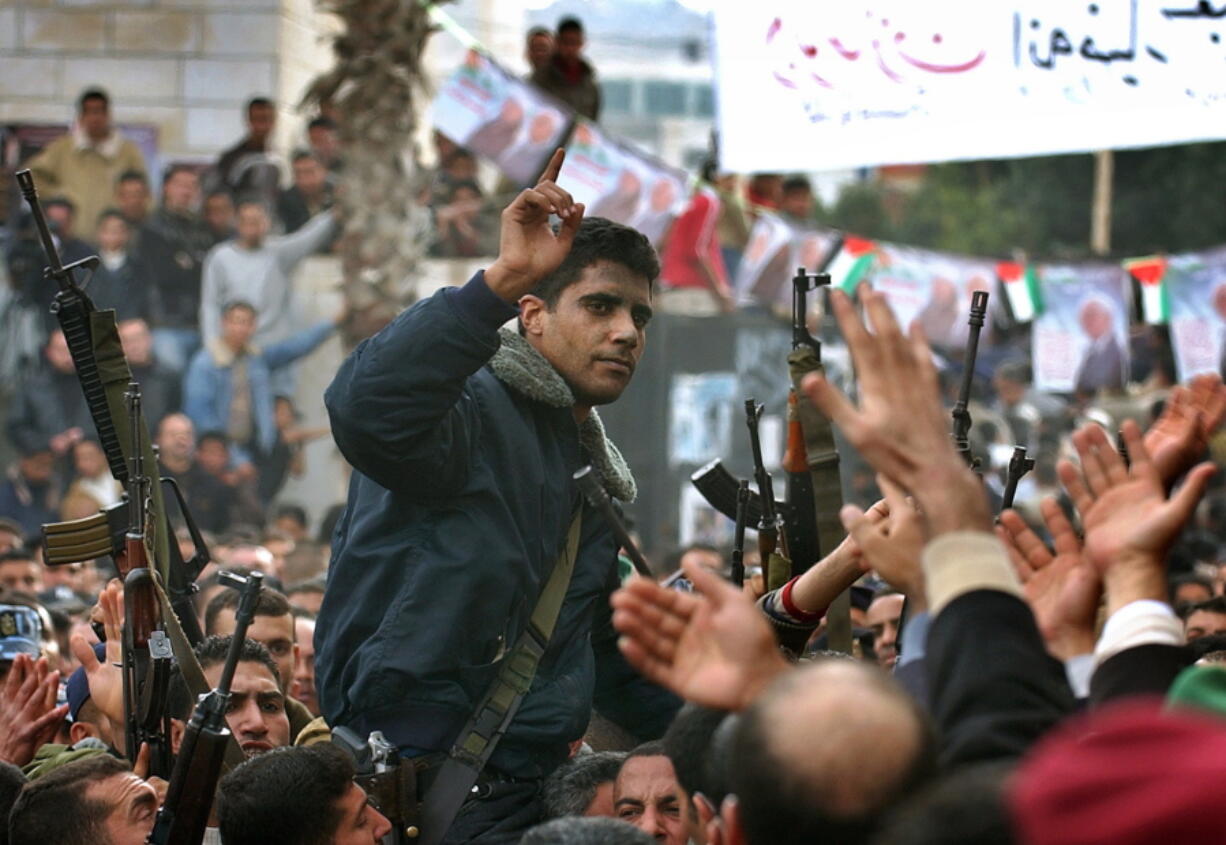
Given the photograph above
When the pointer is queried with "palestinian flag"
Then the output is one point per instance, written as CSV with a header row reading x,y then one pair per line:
x,y
1150,273
852,264
1021,284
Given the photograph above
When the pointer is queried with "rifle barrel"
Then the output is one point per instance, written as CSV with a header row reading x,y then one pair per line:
x,y
590,487
25,179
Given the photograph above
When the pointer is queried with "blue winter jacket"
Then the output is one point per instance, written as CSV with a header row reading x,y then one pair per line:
x,y
458,507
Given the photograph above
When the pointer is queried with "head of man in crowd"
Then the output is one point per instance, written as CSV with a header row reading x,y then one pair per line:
x,y
570,41
823,754
219,214
11,782
1205,619
273,627
112,233
132,195
303,687
238,324
20,571
297,796
61,216
94,114
310,175
1189,590
213,453
570,830
884,617
797,198
261,118
176,441
137,341
307,596
696,741
94,801
589,317
323,140
703,554
11,536
180,190
252,223
538,47
648,795
582,786
291,520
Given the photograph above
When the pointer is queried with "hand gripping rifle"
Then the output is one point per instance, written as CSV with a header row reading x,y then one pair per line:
x,y
594,492
962,417
183,816
147,655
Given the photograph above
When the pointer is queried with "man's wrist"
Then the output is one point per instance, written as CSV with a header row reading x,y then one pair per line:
x,y
951,498
1134,578
506,284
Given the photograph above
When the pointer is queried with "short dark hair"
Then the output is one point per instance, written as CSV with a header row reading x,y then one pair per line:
x,y
1178,581
11,782
599,239
237,303
93,94
111,214
300,155
1206,645
321,122
173,170
1217,604
259,102
291,511
61,201
536,32
797,183
288,795
19,553
54,807
271,603
572,786
585,831
964,808
570,24
314,586
212,436
212,652
688,742
132,176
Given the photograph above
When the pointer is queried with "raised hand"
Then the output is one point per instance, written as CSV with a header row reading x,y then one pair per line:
x,y
528,248
891,545
28,715
712,647
1063,589
1181,434
899,425
1128,519
104,677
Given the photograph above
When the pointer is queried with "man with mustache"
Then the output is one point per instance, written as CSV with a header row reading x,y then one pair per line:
x,y
464,440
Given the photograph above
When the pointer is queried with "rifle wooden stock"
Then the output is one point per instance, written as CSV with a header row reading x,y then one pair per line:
x,y
801,529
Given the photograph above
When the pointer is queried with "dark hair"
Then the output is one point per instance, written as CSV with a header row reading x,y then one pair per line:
x,y
54,808
271,603
61,201
219,192
93,94
1207,644
570,24
212,436
237,303
1217,604
688,742
173,170
572,786
797,183
313,586
536,32
300,155
295,512
965,808
11,782
465,183
21,553
1017,372
321,122
599,239
585,831
249,199
259,102
212,652
1182,580
132,176
111,214
288,795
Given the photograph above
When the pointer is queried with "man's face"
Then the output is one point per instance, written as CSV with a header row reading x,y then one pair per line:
x,y
256,712
260,121
252,225
361,824
1203,623
797,202
133,805
309,176
304,664
238,327
38,467
132,198
883,617
595,334
647,795
213,457
181,191
176,437
95,119
540,50
275,633
219,213
88,459
61,218
137,341
323,142
23,575
570,45
112,235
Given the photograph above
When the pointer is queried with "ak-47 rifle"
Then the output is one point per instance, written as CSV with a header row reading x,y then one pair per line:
x,y
738,542
105,532
147,655
769,523
184,814
1019,465
962,417
593,491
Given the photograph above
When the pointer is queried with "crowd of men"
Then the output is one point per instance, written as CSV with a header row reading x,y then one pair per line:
x,y
1046,675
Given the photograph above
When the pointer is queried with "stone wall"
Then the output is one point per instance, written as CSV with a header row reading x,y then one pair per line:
x,y
186,66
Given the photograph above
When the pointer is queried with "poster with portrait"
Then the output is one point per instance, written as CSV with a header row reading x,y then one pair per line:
x,y
488,110
1080,341
701,407
934,289
616,181
1196,296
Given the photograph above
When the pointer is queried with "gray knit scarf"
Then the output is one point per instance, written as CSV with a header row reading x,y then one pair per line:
x,y
518,365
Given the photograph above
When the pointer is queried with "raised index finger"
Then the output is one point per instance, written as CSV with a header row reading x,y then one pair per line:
x,y
554,167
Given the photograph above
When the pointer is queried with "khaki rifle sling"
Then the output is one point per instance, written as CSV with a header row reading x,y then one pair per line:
x,y
476,742
823,460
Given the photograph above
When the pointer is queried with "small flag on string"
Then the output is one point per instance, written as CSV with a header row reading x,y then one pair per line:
x,y
1150,273
1021,287
852,264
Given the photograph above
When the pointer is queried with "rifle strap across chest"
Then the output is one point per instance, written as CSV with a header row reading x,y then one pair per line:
x,y
823,460
477,741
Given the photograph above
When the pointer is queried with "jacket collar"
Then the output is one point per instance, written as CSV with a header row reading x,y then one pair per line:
x,y
223,356
518,365
107,148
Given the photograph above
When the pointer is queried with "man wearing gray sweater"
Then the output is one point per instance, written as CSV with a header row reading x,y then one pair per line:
x,y
257,269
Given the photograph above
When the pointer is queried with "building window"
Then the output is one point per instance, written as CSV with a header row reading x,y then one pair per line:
x,y
617,95
665,98
704,100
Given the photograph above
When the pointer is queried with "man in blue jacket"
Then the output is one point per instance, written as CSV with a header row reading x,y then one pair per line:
x,y
464,439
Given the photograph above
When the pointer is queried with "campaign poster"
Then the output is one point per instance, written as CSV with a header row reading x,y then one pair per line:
x,y
1080,341
766,267
616,181
701,409
934,289
496,115
1196,295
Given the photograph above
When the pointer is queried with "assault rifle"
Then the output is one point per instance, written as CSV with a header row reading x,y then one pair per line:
x,y
962,417
184,814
